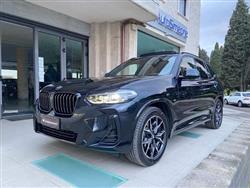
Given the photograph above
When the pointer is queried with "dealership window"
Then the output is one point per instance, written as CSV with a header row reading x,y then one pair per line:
x,y
32,57
74,59
17,68
49,59
183,7
148,44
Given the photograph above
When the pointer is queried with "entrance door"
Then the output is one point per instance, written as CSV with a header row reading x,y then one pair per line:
x,y
75,59
49,58
17,68
32,58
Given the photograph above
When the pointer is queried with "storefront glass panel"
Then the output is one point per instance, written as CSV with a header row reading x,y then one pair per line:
x,y
74,59
24,49
148,44
17,68
49,60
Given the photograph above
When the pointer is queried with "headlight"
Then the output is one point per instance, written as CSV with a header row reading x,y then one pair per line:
x,y
115,97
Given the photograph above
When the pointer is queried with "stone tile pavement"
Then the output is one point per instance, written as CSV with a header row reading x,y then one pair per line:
x,y
20,145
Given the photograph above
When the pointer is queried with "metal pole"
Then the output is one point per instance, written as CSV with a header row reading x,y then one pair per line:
x,y
63,58
1,82
36,63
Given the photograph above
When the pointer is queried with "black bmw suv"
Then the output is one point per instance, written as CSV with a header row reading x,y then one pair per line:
x,y
135,108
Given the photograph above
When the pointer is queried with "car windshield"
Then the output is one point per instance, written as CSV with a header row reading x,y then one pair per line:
x,y
246,94
145,66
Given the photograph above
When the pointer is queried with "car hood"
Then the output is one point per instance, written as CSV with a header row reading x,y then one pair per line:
x,y
91,84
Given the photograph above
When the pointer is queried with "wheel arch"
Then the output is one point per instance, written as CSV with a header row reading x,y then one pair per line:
x,y
221,98
165,108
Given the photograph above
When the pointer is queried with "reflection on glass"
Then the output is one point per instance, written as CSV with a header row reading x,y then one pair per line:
x,y
149,44
74,59
17,68
49,59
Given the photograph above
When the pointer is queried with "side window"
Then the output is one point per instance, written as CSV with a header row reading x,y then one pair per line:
x,y
237,94
210,70
204,74
187,64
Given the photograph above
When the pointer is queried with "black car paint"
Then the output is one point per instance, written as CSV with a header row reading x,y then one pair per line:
x,y
186,103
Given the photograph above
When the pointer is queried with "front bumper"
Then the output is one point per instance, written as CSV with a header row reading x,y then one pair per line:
x,y
98,128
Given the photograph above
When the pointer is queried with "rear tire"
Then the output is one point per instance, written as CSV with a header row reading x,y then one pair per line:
x,y
217,115
225,101
240,104
150,137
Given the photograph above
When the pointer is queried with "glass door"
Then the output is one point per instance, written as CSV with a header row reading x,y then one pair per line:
x,y
49,58
17,68
74,59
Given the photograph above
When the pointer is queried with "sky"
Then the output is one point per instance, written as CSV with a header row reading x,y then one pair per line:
x,y
215,17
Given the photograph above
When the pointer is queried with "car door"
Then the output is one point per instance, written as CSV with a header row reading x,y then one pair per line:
x,y
237,97
207,91
186,107
230,98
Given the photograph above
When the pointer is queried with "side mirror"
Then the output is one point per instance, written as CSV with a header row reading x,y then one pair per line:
x,y
192,73
107,74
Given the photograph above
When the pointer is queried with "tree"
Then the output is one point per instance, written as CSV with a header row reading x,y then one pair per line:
x,y
203,54
215,59
236,49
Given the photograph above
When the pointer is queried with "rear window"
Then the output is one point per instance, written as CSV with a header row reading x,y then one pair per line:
x,y
246,94
210,70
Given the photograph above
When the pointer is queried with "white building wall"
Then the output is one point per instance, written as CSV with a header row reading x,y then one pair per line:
x,y
191,21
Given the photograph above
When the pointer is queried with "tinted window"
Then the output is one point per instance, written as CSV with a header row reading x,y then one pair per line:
x,y
204,74
146,66
187,63
211,72
237,94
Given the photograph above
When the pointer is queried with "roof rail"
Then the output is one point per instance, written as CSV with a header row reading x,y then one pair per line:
x,y
188,53
159,53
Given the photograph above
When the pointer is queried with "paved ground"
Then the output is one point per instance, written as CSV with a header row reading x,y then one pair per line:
x,y
245,111
20,146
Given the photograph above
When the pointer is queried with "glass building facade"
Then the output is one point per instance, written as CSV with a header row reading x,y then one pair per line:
x,y
147,43
32,58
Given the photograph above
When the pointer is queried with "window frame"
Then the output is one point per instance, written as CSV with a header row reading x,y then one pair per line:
x,y
179,68
209,76
184,13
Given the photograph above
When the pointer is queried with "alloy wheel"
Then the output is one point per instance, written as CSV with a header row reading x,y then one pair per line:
x,y
154,137
218,113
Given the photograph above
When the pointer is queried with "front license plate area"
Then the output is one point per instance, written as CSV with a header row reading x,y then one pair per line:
x,y
50,121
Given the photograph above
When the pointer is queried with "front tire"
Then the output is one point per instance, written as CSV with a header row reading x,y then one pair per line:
x,y
150,137
217,115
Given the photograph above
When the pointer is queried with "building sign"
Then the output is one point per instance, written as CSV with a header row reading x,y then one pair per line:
x,y
170,26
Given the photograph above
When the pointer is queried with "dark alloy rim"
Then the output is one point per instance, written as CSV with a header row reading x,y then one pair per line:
x,y
218,114
154,137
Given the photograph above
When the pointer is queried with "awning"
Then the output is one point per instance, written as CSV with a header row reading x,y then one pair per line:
x,y
97,11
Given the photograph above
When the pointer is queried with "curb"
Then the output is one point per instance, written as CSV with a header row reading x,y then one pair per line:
x,y
227,166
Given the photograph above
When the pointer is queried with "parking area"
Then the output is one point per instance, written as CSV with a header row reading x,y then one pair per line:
x,y
20,147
